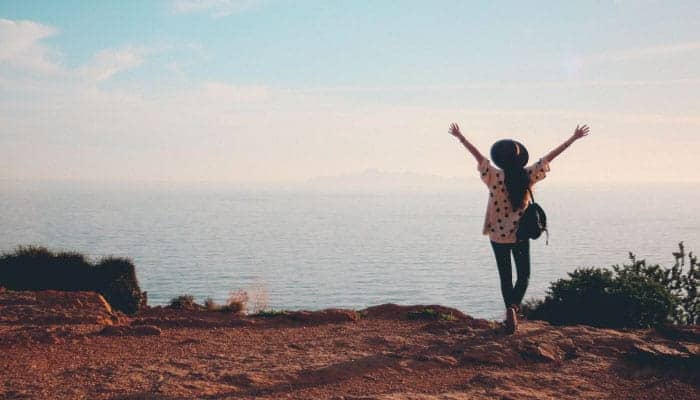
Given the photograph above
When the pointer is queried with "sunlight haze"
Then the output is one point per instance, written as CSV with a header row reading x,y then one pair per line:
x,y
281,91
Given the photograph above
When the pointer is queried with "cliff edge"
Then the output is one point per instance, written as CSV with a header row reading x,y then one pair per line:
x,y
72,345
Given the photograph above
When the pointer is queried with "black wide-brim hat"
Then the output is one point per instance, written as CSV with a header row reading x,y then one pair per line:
x,y
509,153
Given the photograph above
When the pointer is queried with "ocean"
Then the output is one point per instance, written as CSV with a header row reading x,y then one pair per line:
x,y
294,248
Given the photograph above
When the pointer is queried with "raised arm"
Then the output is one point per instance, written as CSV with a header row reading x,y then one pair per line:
x,y
454,131
581,131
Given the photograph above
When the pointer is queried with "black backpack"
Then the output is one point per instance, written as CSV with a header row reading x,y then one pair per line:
x,y
533,222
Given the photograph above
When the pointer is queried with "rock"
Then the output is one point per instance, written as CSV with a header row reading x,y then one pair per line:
x,y
147,330
443,360
659,355
544,352
489,353
569,348
52,307
657,351
247,379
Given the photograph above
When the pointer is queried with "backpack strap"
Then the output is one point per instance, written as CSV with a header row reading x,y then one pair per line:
x,y
532,196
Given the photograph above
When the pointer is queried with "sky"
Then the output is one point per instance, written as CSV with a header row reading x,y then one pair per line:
x,y
285,91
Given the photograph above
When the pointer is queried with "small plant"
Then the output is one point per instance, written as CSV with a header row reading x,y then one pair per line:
x,y
237,303
431,314
183,302
211,305
447,317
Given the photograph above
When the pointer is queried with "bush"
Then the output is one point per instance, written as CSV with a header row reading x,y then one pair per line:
x,y
184,302
37,268
211,305
234,305
679,282
119,285
270,313
237,303
635,295
430,314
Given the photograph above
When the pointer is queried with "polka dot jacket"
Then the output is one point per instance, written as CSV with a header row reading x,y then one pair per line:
x,y
501,221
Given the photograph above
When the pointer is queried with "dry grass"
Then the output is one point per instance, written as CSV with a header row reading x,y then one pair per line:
x,y
237,302
211,305
250,301
258,298
183,302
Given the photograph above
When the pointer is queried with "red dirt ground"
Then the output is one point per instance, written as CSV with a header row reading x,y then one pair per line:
x,y
58,345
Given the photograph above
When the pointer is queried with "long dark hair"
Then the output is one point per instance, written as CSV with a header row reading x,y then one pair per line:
x,y
511,157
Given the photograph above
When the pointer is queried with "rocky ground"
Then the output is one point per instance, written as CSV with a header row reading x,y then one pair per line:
x,y
58,345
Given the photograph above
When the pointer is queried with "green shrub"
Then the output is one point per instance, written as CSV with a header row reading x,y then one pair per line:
x,y
119,285
634,295
682,283
184,302
430,314
37,268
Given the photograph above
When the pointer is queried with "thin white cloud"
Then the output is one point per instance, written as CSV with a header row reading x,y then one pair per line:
x,y
22,50
21,46
109,62
216,8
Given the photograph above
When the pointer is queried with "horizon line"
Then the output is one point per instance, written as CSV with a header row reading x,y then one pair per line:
x,y
310,181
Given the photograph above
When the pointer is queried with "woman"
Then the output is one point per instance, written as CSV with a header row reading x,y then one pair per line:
x,y
509,182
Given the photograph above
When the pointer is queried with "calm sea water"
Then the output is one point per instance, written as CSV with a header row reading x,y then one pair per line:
x,y
312,250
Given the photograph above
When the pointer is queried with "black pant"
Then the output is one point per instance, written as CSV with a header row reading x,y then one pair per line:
x,y
521,254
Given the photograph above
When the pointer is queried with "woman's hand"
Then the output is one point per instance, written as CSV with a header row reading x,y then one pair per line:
x,y
454,131
581,131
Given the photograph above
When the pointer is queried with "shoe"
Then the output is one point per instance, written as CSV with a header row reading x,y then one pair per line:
x,y
511,320
518,310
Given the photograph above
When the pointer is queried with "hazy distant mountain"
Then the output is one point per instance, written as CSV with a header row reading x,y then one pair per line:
x,y
373,179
